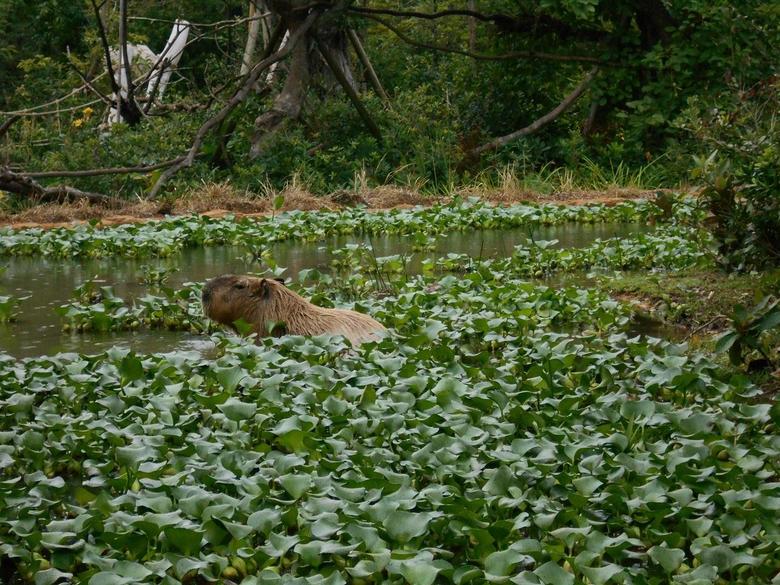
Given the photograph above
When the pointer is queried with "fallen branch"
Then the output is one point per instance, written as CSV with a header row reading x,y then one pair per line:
x,y
704,326
541,122
102,171
5,126
238,97
482,56
25,186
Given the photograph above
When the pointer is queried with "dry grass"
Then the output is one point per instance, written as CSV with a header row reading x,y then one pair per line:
x,y
390,196
210,196
296,196
51,214
219,199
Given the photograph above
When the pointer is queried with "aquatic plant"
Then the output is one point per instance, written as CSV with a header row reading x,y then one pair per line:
x,y
497,436
167,237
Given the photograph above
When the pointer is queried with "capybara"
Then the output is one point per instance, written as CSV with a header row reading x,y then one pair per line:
x,y
273,309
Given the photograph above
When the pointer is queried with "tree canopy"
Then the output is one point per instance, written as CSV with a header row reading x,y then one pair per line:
x,y
401,89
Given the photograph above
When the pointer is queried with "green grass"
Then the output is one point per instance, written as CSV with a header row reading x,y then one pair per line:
x,y
588,176
693,298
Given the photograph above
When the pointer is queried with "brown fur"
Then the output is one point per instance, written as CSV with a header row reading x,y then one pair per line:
x,y
273,309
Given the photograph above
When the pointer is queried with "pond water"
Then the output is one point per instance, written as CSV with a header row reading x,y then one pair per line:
x,y
49,283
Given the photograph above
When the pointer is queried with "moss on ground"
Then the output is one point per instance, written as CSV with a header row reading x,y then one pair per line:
x,y
695,299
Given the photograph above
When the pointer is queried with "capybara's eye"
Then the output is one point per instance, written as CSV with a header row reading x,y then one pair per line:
x,y
239,285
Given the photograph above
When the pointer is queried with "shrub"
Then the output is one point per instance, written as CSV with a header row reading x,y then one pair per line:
x,y
741,174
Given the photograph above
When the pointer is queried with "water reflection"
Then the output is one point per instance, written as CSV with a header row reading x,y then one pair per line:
x,y
50,282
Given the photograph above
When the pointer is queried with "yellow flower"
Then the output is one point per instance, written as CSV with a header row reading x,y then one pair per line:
x,y
87,112
78,123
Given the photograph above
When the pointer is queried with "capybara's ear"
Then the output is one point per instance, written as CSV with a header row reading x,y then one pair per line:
x,y
263,290
279,280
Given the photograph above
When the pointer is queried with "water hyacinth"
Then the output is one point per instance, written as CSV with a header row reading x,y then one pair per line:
x,y
474,442
505,432
169,236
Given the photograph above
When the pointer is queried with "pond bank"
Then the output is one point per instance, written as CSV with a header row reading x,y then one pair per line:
x,y
701,301
219,200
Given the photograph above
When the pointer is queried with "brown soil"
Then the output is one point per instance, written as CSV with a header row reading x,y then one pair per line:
x,y
221,199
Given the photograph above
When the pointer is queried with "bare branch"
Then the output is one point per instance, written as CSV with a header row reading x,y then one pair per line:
x,y
533,23
541,122
127,108
103,171
26,187
5,126
88,84
32,109
219,24
106,47
432,15
363,56
55,112
481,56
153,93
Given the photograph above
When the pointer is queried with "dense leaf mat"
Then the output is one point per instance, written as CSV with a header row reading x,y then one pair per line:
x,y
506,431
169,236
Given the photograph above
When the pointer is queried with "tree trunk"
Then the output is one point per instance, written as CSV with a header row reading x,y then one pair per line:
x,y
128,110
168,60
251,39
652,19
289,102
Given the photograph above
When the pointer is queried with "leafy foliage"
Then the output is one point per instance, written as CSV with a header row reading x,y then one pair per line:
x,y
504,431
659,56
742,176
474,444
749,329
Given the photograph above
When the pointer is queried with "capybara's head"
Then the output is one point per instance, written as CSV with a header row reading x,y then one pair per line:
x,y
230,297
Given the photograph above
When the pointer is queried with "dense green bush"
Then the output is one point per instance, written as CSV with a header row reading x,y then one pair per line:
x,y
741,176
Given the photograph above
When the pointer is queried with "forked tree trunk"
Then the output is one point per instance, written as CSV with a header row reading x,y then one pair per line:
x,y
168,59
306,64
289,101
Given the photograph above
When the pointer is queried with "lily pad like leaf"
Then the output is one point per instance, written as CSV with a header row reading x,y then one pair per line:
x,y
551,573
668,558
601,575
404,526
236,410
296,485
419,572
185,540
51,576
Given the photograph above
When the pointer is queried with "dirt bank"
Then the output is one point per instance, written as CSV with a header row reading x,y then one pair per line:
x,y
220,199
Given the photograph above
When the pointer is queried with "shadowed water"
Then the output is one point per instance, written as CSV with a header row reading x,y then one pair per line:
x,y
49,283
